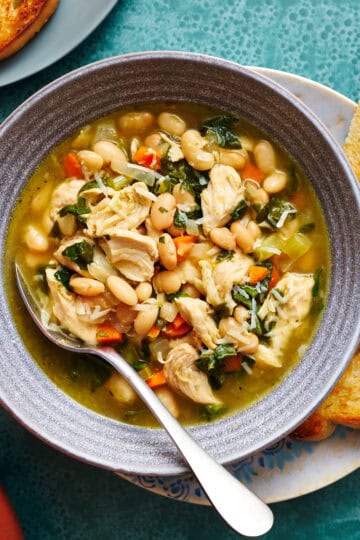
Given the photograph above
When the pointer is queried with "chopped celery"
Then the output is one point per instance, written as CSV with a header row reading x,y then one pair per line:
x,y
120,182
145,373
297,246
272,245
84,138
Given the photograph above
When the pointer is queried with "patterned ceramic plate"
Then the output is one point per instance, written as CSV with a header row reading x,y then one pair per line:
x,y
289,468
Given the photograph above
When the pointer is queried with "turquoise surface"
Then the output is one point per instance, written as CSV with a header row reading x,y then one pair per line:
x,y
58,498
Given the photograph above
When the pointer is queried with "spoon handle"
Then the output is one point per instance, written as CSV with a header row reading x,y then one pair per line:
x,y
236,504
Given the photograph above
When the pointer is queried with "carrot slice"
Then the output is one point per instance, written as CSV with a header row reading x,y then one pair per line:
x,y
108,334
157,379
147,157
257,273
153,332
252,171
298,199
179,327
72,166
275,277
231,364
183,245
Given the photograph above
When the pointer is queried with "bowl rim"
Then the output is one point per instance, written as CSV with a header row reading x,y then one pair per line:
x,y
170,55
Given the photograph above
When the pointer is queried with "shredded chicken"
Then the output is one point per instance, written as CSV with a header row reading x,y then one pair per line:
x,y
65,310
285,309
133,254
196,313
185,378
65,194
219,279
221,196
190,273
125,210
174,152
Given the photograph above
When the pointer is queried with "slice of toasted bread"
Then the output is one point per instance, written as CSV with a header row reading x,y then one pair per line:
x,y
342,406
20,20
352,143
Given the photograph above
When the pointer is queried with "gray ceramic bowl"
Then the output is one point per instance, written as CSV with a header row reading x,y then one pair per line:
x,y
95,90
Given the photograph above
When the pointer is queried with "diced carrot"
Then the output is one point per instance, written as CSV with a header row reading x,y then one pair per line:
x,y
153,332
275,277
157,379
147,157
108,334
72,166
179,327
232,363
183,245
257,273
252,171
298,199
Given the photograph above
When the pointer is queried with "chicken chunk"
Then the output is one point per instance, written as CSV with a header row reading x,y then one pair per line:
x,y
65,194
174,152
64,309
65,261
220,278
133,254
184,377
221,196
125,210
285,310
196,313
190,273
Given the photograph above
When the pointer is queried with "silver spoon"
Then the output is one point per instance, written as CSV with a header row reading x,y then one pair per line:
x,y
236,504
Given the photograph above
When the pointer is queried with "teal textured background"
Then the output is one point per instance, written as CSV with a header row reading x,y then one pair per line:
x,y
60,499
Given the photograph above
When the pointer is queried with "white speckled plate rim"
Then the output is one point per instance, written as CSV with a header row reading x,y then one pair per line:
x,y
290,468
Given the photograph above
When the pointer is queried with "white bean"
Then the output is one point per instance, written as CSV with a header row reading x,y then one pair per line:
x,y
143,291
167,251
265,156
255,193
254,229
92,160
168,282
172,123
162,211
223,238
135,123
146,320
168,399
190,290
244,238
184,197
36,240
110,153
275,182
120,389
192,144
122,290
233,158
86,286
40,201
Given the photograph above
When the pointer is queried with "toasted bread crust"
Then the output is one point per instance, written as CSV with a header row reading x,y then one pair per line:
x,y
352,143
342,406
20,24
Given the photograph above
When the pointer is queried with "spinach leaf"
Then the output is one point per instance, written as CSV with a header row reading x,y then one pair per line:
x,y
211,363
240,210
220,312
307,228
181,172
77,210
81,253
63,275
180,217
220,129
274,210
225,255
170,297
316,287
209,412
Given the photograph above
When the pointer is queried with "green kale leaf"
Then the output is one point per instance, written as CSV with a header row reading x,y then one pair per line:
x,y
220,130
274,210
63,275
82,253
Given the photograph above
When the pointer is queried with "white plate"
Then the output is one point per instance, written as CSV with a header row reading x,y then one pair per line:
x,y
289,468
71,23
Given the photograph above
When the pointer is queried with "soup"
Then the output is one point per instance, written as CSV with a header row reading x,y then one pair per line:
x,y
184,238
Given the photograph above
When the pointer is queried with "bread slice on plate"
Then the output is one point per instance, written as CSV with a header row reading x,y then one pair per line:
x,y
20,20
342,406
352,143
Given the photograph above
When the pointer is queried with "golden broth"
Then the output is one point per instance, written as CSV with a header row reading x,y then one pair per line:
x,y
82,377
